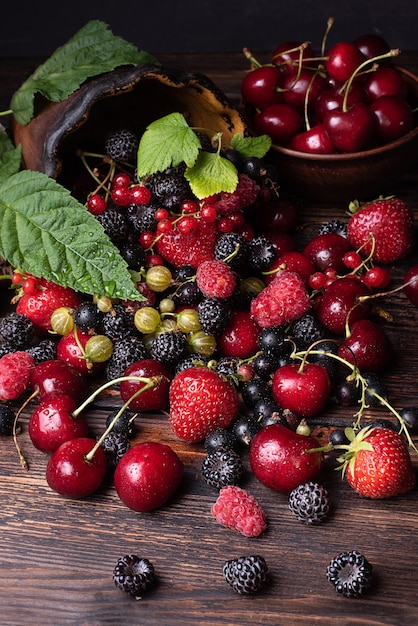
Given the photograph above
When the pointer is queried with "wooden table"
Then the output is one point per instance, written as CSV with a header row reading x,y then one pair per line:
x,y
57,555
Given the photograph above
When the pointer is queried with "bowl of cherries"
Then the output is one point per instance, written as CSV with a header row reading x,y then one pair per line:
x,y
343,122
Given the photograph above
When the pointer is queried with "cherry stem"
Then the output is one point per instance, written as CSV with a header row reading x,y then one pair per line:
x,y
22,459
330,23
391,53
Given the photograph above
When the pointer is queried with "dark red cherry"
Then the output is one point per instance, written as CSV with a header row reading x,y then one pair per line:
x,y
56,376
287,55
343,60
386,81
315,141
339,301
260,86
331,99
351,130
51,423
371,45
152,399
327,251
306,89
278,215
280,121
394,118
367,347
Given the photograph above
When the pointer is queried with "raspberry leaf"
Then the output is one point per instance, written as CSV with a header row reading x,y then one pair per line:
x,y
46,232
167,142
93,50
211,174
251,146
10,157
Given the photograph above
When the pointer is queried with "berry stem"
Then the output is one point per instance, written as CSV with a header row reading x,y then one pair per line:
x,y
22,459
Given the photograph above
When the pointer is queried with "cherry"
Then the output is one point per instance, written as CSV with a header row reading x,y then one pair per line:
x,y
386,81
290,54
72,349
303,389
73,470
280,121
394,117
280,460
343,60
239,339
367,346
51,423
371,45
339,300
315,140
58,377
153,399
328,251
294,261
331,99
147,475
410,283
350,129
278,215
260,86
304,91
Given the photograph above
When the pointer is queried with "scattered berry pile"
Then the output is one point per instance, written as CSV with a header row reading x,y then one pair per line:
x,y
241,336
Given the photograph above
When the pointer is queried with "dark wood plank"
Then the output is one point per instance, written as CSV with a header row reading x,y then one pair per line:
x,y
57,555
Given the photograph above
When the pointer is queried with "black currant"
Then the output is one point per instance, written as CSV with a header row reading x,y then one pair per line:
x,y
410,417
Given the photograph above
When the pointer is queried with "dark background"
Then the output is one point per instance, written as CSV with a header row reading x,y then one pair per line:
x,y
165,26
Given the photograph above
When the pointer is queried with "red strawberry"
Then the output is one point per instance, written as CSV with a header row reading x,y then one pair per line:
x,y
40,303
200,401
191,249
390,221
284,300
377,463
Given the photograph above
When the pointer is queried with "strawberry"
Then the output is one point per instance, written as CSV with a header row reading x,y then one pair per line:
x,y
377,463
201,400
390,221
188,249
40,303
284,300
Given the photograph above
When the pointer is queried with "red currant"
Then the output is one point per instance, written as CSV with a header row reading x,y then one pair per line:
x,y
237,219
352,259
146,239
140,194
225,225
154,259
317,280
121,180
188,207
164,226
16,278
208,212
121,196
96,204
377,277
187,225
161,214
30,285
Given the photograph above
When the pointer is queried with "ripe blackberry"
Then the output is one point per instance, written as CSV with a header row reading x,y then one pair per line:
x,y
350,573
247,574
114,224
333,226
232,246
141,218
118,322
16,330
7,420
169,347
228,366
121,145
169,187
309,502
87,316
6,348
214,315
126,351
115,444
125,424
134,575
45,350
221,468
220,438
261,253
306,330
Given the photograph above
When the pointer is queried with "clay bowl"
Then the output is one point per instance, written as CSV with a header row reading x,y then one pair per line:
x,y
340,178
125,98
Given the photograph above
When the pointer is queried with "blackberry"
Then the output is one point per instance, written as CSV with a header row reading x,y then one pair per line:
x,y
169,347
214,315
122,145
350,573
247,574
309,502
6,348
45,350
169,187
87,316
16,330
134,575
141,218
261,253
221,468
192,360
117,322
115,444
7,420
333,226
306,330
220,438
126,351
229,244
114,224
228,366
124,425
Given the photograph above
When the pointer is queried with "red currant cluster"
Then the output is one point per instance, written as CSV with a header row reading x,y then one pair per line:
x,y
348,99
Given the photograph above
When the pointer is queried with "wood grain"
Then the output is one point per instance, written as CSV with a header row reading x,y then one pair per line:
x,y
57,555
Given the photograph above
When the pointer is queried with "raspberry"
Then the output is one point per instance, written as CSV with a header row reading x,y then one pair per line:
x,y
133,575
350,573
283,301
236,508
221,468
245,194
121,145
15,373
215,279
247,574
309,502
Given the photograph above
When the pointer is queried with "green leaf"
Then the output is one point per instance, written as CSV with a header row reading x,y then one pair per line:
x,y
93,50
10,157
251,146
46,232
167,142
211,174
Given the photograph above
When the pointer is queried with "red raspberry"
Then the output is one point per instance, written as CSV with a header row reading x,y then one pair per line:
x,y
15,373
236,508
215,279
245,194
284,300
